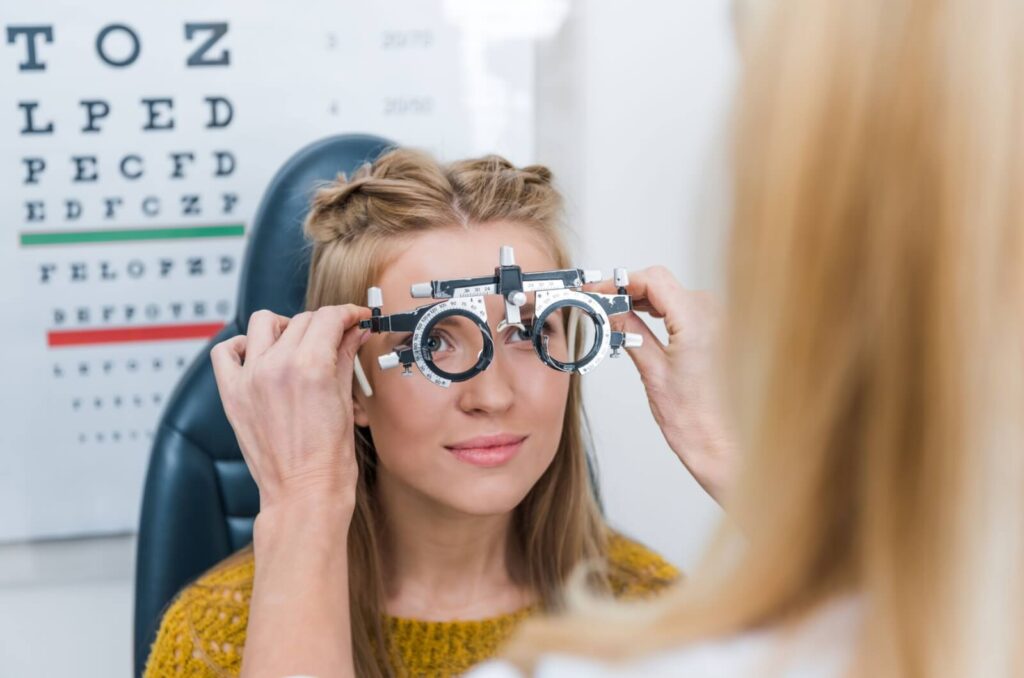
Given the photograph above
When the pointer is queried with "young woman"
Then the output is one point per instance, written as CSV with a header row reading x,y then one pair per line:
x,y
443,547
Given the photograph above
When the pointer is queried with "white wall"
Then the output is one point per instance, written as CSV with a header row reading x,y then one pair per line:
x,y
633,99
66,608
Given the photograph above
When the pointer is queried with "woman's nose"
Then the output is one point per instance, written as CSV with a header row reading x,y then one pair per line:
x,y
490,391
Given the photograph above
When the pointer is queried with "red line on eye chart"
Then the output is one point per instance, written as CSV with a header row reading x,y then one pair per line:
x,y
128,335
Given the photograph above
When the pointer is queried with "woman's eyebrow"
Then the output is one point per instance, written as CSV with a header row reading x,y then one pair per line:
x,y
449,321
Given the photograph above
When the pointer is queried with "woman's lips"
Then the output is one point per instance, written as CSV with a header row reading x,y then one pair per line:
x,y
487,451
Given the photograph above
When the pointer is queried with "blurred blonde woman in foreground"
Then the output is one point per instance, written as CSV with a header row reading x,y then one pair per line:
x,y
875,373
874,354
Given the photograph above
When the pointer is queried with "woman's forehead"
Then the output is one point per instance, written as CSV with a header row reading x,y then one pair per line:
x,y
457,252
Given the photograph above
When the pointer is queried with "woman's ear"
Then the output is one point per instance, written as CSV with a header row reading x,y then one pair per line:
x,y
359,412
359,415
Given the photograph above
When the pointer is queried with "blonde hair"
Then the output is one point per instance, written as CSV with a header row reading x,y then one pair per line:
x,y
874,349
353,227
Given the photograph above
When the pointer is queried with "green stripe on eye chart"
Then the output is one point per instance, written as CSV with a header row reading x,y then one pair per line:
x,y
36,238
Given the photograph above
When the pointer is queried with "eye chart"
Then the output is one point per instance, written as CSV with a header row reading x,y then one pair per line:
x,y
137,139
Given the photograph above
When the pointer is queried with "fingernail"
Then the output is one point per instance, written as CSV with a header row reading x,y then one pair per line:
x,y
365,337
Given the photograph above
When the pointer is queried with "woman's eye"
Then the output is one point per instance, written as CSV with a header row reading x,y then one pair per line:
x,y
517,336
438,342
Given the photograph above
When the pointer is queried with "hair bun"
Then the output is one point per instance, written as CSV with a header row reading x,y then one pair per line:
x,y
538,173
334,198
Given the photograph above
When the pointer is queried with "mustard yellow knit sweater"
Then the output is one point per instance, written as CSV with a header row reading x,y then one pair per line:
x,y
203,630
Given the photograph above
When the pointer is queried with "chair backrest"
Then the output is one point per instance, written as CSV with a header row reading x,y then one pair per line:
x,y
199,500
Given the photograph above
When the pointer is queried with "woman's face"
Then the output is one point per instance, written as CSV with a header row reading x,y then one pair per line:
x,y
424,434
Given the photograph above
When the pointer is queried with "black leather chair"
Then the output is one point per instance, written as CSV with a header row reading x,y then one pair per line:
x,y
199,499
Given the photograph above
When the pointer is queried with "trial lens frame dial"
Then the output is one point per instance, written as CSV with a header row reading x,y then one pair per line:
x,y
472,308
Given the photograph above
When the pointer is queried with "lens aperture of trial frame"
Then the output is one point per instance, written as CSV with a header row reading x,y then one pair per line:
x,y
569,334
455,344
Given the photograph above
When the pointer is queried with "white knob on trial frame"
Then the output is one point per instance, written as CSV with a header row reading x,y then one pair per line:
x,y
421,290
374,297
388,360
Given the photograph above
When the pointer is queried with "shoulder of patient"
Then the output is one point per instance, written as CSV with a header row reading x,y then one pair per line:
x,y
635,571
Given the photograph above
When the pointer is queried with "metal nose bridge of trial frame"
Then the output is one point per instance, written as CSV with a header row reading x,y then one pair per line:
x,y
554,290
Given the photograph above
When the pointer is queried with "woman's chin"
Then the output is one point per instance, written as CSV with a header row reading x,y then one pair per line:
x,y
485,498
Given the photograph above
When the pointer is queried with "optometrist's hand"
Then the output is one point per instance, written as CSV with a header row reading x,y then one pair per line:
x,y
678,377
287,391
286,387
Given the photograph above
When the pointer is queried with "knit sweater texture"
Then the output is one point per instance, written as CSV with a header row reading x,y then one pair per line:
x,y
203,630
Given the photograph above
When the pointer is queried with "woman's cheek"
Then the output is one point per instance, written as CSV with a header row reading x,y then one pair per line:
x,y
408,416
546,394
